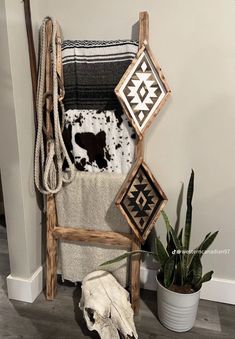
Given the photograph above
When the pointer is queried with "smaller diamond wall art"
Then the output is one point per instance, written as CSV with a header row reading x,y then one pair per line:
x,y
141,200
143,90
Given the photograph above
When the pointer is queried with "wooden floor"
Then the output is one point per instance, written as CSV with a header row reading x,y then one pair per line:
x,y
62,319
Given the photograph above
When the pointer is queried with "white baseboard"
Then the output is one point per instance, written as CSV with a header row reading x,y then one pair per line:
x,y
221,290
217,289
25,289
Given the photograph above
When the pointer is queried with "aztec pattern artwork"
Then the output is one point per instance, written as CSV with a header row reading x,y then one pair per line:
x,y
142,201
143,90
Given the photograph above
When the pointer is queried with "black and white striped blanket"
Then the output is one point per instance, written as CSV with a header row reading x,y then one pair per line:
x,y
92,69
97,132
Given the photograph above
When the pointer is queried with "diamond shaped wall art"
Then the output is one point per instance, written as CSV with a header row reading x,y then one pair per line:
x,y
143,90
141,200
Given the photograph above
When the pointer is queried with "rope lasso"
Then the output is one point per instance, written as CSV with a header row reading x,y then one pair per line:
x,y
48,172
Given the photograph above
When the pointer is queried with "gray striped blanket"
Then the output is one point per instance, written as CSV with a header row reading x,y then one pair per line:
x,y
92,69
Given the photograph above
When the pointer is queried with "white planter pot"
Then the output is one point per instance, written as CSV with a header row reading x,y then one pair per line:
x,y
176,311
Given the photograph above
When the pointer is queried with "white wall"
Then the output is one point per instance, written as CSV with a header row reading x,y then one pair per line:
x,y
193,41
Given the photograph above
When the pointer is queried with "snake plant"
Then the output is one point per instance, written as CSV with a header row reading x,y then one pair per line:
x,y
180,268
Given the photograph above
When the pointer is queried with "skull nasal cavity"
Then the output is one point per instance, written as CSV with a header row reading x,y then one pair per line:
x,y
90,313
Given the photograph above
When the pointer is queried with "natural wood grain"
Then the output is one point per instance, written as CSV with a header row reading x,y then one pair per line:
x,y
143,28
51,258
51,217
108,238
135,277
139,149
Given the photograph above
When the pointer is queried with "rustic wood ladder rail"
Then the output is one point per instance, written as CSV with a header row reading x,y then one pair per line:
x,y
109,238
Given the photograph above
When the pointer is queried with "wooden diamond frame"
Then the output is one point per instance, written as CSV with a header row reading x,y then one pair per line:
x,y
141,200
143,90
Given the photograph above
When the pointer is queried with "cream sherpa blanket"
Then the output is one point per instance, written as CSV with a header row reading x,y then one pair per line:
x,y
88,202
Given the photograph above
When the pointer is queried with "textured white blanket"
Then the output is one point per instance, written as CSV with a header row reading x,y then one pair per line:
x,y
88,202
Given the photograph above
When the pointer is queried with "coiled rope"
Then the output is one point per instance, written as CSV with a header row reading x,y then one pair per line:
x,y
48,173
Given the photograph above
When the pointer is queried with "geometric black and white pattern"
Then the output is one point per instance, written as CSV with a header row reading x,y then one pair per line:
x,y
143,90
142,201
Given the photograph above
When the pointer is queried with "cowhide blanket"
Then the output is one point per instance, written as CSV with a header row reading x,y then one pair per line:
x,y
99,142
97,133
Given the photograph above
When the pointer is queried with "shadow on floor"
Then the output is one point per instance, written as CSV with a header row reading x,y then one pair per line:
x,y
150,302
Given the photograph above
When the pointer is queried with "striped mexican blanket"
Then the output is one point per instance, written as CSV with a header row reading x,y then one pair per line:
x,y
92,69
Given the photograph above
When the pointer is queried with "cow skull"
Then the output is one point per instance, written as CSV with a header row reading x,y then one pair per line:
x,y
106,306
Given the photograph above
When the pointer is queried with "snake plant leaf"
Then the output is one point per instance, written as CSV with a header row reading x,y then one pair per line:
x,y
208,234
170,244
197,269
155,249
180,236
208,240
166,219
169,270
171,230
161,252
206,277
177,242
178,274
188,221
124,256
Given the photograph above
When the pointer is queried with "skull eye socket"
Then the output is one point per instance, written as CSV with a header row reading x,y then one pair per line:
x,y
90,313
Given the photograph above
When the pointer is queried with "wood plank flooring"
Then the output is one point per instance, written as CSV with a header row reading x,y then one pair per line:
x,y
62,318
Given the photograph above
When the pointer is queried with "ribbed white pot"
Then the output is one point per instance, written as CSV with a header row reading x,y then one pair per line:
x,y
176,311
